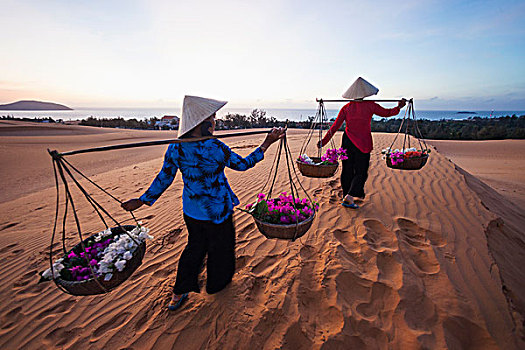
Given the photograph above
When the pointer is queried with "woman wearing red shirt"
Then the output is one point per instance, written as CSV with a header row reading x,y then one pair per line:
x,y
357,137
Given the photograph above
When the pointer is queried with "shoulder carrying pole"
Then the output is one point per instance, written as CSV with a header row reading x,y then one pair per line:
x,y
321,100
160,142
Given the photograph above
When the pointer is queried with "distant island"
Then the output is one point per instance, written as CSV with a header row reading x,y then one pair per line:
x,y
465,112
34,106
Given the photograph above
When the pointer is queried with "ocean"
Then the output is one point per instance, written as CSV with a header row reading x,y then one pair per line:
x,y
280,114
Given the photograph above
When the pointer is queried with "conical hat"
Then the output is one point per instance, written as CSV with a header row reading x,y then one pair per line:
x,y
195,110
360,89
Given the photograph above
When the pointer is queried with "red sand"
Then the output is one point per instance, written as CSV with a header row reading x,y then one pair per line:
x,y
432,259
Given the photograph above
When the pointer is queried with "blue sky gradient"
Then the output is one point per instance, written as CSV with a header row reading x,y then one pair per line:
x,y
280,54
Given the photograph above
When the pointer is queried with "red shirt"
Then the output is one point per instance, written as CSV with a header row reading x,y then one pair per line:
x,y
358,116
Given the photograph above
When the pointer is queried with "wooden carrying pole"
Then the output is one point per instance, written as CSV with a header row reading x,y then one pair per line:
x,y
155,143
322,100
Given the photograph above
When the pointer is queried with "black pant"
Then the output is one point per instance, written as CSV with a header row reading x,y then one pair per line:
x,y
355,169
216,240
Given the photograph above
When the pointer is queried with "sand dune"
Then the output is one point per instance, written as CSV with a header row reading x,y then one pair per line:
x,y
498,163
426,262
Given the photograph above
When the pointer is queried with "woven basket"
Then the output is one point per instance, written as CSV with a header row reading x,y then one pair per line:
x,y
408,164
292,231
318,171
92,287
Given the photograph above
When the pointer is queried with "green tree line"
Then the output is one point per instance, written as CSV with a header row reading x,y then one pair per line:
x,y
474,128
509,127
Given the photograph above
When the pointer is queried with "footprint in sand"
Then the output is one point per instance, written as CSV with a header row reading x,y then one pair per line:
x,y
420,312
381,305
390,270
379,237
416,248
172,237
348,240
417,233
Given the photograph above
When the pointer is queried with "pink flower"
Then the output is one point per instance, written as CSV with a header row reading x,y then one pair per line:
x,y
249,206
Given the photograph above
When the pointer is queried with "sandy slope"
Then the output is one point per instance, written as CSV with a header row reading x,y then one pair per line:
x,y
411,269
498,163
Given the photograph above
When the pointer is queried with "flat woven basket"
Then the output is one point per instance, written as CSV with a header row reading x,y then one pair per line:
x,y
291,231
407,164
91,287
318,171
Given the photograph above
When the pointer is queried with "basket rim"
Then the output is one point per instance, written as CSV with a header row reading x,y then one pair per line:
x,y
317,165
100,278
419,157
285,225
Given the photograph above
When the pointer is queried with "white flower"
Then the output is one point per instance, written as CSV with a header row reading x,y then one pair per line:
x,y
108,276
127,255
57,267
47,274
307,159
120,265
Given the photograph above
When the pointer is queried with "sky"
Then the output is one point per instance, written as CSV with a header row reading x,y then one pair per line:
x,y
262,54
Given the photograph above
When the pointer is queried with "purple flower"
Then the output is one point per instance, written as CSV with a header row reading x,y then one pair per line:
x,y
285,219
72,255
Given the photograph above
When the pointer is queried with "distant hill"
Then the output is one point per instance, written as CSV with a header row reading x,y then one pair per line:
x,y
34,106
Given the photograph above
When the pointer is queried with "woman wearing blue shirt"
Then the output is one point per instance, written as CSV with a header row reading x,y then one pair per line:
x,y
207,198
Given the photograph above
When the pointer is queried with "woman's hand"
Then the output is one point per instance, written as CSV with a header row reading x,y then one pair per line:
x,y
275,135
132,204
402,103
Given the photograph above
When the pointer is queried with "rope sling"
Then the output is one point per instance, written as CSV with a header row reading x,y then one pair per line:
x,y
64,173
317,170
408,157
279,230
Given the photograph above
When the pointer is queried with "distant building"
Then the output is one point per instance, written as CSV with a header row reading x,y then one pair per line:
x,y
168,121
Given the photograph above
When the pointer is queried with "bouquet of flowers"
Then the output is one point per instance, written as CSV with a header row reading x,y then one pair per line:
x,y
398,156
331,156
283,210
105,253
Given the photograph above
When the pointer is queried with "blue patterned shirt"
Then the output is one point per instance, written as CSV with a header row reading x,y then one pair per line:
x,y
207,194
